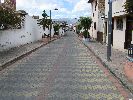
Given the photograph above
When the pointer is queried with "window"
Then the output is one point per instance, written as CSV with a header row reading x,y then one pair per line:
x,y
95,5
95,25
119,24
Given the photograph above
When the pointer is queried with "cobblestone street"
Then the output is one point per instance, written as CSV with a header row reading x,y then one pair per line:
x,y
62,70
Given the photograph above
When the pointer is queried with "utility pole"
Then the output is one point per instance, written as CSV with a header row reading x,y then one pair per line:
x,y
109,30
50,24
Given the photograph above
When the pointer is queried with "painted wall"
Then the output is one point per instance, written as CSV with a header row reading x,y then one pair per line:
x,y
117,8
119,36
117,11
47,31
29,33
94,16
61,32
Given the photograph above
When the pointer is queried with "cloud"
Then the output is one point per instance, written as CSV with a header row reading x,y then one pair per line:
x,y
72,1
82,5
74,9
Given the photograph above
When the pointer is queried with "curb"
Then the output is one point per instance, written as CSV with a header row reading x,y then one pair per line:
x,y
106,66
3,66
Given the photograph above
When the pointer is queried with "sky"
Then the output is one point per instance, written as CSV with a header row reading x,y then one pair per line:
x,y
66,8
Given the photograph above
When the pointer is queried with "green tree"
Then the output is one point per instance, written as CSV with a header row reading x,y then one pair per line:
x,y
8,18
44,14
56,29
129,6
85,23
45,21
78,28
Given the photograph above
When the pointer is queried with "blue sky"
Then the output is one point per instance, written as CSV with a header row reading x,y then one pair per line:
x,y
66,8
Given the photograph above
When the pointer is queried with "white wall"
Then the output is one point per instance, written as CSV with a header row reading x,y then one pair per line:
x,y
117,8
61,32
94,19
16,37
119,36
47,31
52,31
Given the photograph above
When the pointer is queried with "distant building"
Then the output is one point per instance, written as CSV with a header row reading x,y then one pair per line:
x,y
35,17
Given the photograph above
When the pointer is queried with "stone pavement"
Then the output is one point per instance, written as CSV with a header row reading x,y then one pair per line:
x,y
12,54
118,61
62,70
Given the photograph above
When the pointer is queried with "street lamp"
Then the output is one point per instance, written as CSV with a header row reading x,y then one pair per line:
x,y
51,22
109,30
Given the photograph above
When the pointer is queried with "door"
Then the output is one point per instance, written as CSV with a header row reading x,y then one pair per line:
x,y
128,33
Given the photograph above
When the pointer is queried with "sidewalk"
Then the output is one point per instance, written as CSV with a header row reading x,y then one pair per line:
x,y
115,66
9,56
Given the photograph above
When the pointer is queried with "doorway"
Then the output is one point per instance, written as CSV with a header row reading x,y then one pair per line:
x,y
128,33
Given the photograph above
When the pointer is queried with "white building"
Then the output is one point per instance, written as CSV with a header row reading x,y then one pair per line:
x,y
29,32
98,10
122,25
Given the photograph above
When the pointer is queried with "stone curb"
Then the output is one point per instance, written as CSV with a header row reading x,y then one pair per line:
x,y
3,66
106,66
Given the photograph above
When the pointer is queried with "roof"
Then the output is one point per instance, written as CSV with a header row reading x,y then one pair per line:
x,y
22,12
90,1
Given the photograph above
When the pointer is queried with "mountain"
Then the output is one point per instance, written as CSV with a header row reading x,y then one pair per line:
x,y
68,20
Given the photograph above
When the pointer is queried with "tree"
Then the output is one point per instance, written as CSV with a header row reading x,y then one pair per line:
x,y
8,18
44,14
45,21
78,28
85,23
129,6
56,29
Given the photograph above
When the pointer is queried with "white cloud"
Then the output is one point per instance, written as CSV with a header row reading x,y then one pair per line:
x,y
82,5
72,1
48,6
35,7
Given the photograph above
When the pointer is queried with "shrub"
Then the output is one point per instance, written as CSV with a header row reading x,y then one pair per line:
x,y
86,34
56,29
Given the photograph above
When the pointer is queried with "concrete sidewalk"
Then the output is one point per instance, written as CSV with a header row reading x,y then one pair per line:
x,y
116,65
9,56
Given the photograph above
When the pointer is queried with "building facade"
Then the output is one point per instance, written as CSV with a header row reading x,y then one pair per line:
x,y
122,23
98,10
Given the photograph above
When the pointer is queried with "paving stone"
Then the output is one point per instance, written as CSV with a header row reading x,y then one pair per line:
x,y
118,59
62,70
